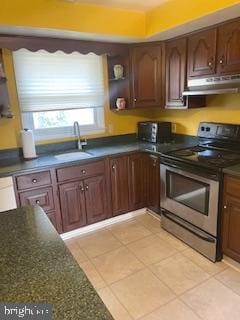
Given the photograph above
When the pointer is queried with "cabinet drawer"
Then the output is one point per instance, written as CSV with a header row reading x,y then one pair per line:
x,y
42,197
33,180
80,171
232,186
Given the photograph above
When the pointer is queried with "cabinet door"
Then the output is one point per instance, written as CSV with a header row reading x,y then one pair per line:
x,y
96,199
202,53
231,227
72,205
146,76
176,65
137,181
153,183
119,185
229,48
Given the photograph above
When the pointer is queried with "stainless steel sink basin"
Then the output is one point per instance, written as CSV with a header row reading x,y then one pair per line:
x,y
73,155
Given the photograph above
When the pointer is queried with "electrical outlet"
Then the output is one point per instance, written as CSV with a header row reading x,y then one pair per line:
x,y
174,127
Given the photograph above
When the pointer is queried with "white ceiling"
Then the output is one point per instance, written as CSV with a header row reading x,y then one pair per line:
x,y
142,5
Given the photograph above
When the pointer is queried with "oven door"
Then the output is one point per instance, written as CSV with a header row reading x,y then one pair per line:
x,y
190,196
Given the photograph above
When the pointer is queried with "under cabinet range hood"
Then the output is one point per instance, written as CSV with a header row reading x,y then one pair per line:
x,y
213,85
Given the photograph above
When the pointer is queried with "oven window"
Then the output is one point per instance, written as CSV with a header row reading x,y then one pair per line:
x,y
192,193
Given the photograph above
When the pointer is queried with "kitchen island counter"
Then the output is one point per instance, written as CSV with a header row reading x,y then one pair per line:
x,y
37,267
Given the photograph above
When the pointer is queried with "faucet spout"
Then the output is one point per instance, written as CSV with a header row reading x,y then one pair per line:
x,y
76,129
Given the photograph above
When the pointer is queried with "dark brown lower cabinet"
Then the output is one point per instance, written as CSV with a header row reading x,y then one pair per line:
x,y
73,208
96,199
83,202
153,184
119,184
231,218
137,181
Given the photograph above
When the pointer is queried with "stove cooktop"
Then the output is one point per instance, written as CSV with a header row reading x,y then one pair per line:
x,y
210,157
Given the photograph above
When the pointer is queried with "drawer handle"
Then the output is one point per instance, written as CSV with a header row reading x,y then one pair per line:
x,y
83,171
37,201
87,187
34,180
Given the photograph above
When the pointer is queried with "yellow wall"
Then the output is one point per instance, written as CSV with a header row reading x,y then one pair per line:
x,y
63,15
173,13
222,108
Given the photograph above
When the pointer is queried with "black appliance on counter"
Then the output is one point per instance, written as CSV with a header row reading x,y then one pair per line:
x,y
192,187
155,131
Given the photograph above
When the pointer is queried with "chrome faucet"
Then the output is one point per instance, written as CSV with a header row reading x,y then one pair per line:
x,y
76,130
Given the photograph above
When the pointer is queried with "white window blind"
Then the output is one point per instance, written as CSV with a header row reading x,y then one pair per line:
x,y
56,81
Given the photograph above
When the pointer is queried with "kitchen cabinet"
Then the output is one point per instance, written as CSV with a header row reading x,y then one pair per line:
x,y
137,181
96,199
40,188
202,48
84,201
146,72
176,67
231,218
119,184
72,205
153,183
228,57
119,88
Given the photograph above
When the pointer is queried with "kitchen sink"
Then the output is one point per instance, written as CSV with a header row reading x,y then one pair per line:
x,y
73,155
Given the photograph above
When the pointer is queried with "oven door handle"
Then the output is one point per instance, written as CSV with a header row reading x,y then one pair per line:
x,y
187,226
184,167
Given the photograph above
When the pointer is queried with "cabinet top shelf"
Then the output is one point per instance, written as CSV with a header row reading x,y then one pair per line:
x,y
113,79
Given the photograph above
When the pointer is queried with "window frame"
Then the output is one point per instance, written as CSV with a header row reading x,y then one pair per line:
x,y
67,131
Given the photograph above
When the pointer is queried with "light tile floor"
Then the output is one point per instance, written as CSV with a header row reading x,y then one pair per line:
x,y
142,272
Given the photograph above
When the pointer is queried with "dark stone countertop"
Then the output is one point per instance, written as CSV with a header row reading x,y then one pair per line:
x,y
37,267
12,166
233,170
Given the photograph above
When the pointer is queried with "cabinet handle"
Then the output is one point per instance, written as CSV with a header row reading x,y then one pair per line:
x,y
210,64
34,180
83,171
81,188
225,207
221,61
135,100
114,167
87,187
37,201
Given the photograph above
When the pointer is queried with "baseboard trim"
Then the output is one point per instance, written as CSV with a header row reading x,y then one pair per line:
x,y
231,263
102,224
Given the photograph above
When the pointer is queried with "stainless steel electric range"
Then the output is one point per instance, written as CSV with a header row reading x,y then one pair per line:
x,y
192,186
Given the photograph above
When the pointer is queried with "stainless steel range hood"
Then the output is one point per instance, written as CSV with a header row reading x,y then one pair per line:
x,y
213,85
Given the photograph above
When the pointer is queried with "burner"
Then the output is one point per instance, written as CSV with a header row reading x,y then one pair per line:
x,y
198,149
184,153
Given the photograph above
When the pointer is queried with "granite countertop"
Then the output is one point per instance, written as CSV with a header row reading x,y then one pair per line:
x,y
37,267
12,166
233,170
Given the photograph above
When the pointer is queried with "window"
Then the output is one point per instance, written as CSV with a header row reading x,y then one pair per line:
x,y
56,89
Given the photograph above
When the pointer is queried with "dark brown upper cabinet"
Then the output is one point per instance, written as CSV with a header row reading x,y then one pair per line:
x,y
202,53
176,65
146,78
228,57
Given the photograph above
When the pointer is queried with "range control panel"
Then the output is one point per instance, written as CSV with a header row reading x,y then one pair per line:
x,y
221,131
